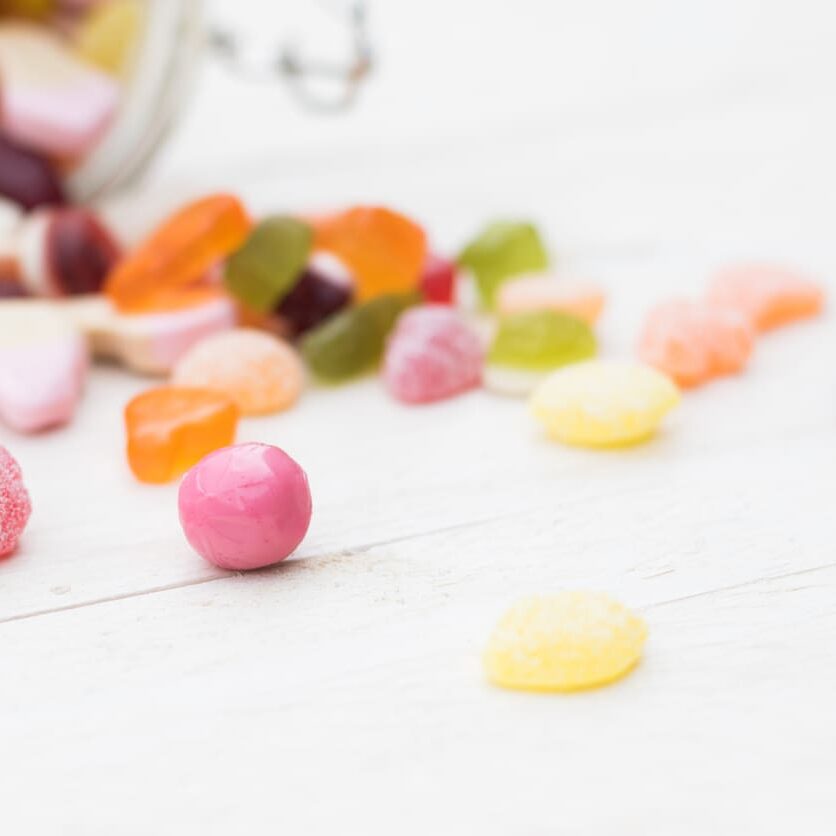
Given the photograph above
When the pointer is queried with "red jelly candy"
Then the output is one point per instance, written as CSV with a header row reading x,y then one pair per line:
x,y
431,355
80,252
438,280
323,289
15,507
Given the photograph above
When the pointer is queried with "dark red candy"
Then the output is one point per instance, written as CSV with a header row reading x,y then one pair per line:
x,y
80,251
11,289
438,280
322,291
26,178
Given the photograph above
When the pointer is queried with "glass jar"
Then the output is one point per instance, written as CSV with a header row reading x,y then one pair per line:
x,y
172,39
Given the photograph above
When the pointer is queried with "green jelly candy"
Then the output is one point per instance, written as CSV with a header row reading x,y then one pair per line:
x,y
503,249
541,340
352,341
264,270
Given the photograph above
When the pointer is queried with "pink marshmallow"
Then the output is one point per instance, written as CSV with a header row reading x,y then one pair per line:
x,y
51,101
246,506
149,343
43,364
40,384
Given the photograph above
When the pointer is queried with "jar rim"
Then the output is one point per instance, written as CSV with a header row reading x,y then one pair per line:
x,y
157,84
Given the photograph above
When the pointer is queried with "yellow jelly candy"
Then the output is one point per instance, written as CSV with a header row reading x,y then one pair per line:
x,y
109,34
564,642
603,404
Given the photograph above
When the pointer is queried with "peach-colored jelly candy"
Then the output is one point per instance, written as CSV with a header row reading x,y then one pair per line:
x,y
257,371
693,341
767,296
543,291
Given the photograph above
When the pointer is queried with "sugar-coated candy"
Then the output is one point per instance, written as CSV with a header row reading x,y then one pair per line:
x,y
262,271
150,343
438,280
501,250
603,404
259,372
178,253
109,32
768,296
64,252
27,178
432,354
384,249
324,288
245,506
564,642
53,102
15,506
171,428
545,291
529,345
43,363
693,342
351,342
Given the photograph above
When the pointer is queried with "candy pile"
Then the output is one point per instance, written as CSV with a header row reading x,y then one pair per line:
x,y
239,314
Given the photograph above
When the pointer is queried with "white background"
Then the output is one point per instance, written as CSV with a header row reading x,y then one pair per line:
x,y
145,692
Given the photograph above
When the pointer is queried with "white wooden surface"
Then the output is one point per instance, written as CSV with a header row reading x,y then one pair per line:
x,y
144,692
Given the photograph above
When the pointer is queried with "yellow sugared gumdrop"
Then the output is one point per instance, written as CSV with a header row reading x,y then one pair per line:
x,y
603,404
564,642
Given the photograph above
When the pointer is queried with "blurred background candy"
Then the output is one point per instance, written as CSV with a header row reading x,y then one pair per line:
x,y
26,177
43,365
53,102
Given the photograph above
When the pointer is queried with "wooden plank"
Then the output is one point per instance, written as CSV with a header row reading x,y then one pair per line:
x,y
312,700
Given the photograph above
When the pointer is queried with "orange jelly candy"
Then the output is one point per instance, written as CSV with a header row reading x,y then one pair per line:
x,y
171,428
767,296
178,253
384,249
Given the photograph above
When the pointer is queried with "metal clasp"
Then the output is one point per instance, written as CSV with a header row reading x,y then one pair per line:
x,y
302,73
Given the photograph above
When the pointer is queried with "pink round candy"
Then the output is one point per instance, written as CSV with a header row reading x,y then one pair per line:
x,y
15,507
245,506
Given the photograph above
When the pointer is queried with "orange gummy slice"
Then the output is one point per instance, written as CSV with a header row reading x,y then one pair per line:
x,y
384,249
170,299
171,428
178,253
